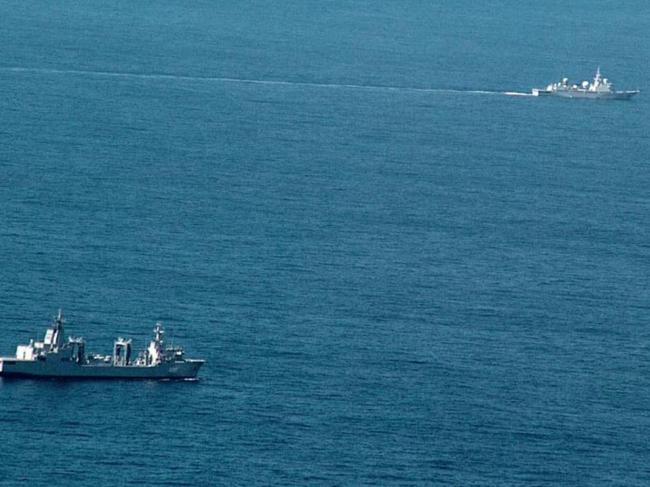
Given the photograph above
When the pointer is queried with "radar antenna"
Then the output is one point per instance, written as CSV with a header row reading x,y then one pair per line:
x,y
59,319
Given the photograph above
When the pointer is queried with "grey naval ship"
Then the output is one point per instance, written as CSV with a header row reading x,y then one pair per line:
x,y
56,357
599,88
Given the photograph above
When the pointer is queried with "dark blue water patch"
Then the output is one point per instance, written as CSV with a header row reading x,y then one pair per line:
x,y
390,285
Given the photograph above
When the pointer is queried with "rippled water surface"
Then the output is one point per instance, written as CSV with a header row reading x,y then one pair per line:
x,y
397,274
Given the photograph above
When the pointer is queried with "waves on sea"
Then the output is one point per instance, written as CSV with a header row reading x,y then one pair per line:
x,y
396,274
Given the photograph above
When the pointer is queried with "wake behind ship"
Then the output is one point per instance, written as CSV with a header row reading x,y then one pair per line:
x,y
57,358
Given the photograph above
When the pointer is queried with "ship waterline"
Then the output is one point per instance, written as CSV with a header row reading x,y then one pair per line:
x,y
55,357
598,89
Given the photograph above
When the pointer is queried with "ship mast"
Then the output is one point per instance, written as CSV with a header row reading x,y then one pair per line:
x,y
54,335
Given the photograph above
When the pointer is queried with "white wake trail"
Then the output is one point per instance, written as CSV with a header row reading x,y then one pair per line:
x,y
516,93
306,84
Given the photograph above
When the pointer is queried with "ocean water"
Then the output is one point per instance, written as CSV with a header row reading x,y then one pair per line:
x,y
397,274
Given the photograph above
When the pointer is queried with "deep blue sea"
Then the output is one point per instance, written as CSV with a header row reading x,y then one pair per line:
x,y
397,274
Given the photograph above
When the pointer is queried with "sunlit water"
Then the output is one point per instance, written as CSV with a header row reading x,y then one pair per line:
x,y
396,276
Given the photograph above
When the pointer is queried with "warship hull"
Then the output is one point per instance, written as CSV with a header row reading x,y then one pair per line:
x,y
589,95
599,89
11,367
57,358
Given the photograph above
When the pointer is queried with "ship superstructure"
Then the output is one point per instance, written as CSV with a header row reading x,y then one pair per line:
x,y
598,88
57,357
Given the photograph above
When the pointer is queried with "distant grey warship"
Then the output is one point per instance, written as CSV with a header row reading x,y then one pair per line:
x,y
599,88
57,358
